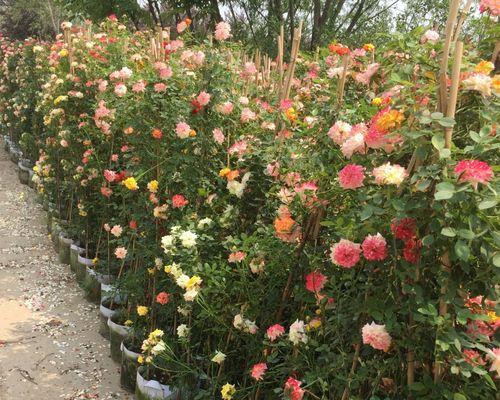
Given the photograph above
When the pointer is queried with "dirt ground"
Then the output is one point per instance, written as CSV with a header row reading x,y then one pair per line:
x,y
50,347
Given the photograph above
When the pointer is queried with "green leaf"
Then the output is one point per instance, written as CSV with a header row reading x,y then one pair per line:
x,y
485,204
438,141
366,213
466,234
496,260
462,250
458,396
327,223
457,344
450,232
437,115
423,185
444,195
446,122
445,186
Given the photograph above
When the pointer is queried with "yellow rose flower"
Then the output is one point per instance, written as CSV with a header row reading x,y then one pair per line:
x,y
63,53
142,311
130,183
128,322
369,47
227,391
195,280
484,67
153,186
377,101
140,359
224,171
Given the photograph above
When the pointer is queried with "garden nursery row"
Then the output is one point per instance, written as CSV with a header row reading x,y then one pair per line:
x,y
314,226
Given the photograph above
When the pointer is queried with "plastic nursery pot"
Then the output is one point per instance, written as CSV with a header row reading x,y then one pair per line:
x,y
15,153
152,389
117,334
24,171
105,312
92,284
64,246
31,182
55,230
81,268
6,143
128,370
107,290
74,252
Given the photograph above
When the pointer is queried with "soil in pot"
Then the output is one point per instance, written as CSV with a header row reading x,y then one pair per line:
x,y
129,365
118,332
149,386
64,247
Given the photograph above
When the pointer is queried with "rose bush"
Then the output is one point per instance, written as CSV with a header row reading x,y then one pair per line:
x,y
327,243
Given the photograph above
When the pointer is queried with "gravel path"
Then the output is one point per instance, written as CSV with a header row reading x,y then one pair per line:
x,y
49,343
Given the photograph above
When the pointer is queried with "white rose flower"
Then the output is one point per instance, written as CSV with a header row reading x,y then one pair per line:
x,y
182,331
219,357
188,239
157,349
182,280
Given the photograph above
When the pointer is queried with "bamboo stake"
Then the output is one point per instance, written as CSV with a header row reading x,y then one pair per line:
x,y
340,93
461,19
450,112
450,23
293,60
455,81
280,61
347,389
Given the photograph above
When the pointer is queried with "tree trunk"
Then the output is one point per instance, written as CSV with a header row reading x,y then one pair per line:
x,y
316,22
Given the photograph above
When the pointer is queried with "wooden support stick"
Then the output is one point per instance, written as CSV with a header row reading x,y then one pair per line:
x,y
445,258
461,19
450,23
455,81
293,60
340,93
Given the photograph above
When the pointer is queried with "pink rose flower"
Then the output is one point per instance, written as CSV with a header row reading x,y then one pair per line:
x,y
258,371
159,87
345,253
116,230
474,172
182,129
179,201
120,89
225,108
203,98
222,31
218,135
274,332
293,391
121,253
236,257
374,247
315,281
162,298
351,176
376,336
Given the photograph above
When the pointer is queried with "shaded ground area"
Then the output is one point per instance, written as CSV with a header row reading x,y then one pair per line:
x,y
49,343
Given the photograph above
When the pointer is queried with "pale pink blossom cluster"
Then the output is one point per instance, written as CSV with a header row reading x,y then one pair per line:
x,y
182,130
430,36
376,336
351,139
222,31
